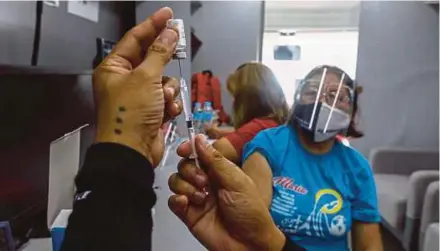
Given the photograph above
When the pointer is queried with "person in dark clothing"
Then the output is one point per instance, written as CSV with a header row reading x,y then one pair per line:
x,y
112,208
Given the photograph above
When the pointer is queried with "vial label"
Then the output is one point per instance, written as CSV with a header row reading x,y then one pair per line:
x,y
181,43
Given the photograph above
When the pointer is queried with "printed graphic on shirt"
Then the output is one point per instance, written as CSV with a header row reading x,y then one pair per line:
x,y
289,184
325,217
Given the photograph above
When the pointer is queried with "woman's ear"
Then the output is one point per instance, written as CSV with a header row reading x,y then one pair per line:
x,y
359,89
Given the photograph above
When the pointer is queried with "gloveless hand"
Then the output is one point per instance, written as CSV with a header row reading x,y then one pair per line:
x,y
132,97
233,216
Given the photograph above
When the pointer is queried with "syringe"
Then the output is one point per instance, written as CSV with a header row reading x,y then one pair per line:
x,y
188,118
188,114
180,53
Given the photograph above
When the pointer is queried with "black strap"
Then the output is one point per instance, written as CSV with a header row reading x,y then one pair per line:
x,y
37,33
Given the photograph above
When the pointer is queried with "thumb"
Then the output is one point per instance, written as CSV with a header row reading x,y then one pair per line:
x,y
159,54
228,175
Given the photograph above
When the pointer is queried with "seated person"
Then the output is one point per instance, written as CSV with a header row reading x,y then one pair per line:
x,y
317,188
259,103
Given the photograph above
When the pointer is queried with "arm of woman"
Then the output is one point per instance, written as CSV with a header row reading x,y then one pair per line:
x,y
232,145
258,169
365,213
224,131
216,132
366,237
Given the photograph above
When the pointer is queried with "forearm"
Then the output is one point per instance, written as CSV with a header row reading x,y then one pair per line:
x,y
221,132
112,210
366,237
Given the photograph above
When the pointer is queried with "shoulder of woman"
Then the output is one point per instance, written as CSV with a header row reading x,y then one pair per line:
x,y
359,163
271,136
265,123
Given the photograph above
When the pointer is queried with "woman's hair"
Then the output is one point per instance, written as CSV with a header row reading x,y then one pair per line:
x,y
352,131
257,94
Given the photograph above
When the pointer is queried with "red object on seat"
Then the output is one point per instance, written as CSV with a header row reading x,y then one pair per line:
x,y
207,88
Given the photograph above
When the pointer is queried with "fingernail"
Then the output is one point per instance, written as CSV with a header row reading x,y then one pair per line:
x,y
168,37
199,197
171,90
180,199
177,106
181,143
203,141
201,180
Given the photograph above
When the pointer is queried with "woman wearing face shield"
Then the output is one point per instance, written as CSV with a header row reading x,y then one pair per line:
x,y
317,189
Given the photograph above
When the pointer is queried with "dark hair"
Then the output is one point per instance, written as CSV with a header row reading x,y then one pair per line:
x,y
352,131
208,72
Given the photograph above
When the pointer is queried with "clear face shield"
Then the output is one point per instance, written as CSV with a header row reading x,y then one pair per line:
x,y
323,104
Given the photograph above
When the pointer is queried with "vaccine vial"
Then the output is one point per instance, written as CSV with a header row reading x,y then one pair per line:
x,y
180,52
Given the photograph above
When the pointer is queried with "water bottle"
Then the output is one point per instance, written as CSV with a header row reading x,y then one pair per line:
x,y
197,118
207,113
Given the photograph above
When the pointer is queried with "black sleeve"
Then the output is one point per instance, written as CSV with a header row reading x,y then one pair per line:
x,y
112,208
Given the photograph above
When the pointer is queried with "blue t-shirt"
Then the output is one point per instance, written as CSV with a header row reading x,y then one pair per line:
x,y
316,197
